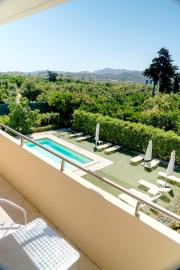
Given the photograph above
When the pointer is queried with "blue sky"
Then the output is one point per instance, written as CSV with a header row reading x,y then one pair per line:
x,y
92,34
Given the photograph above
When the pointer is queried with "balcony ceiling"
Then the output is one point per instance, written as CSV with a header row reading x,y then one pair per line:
x,y
11,10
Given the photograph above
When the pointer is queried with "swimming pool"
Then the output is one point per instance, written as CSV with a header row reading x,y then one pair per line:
x,y
60,149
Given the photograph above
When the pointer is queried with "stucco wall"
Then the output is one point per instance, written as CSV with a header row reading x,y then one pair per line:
x,y
104,228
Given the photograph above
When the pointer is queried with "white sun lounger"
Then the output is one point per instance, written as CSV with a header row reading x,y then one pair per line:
x,y
76,135
83,138
103,146
153,190
137,159
133,202
171,177
150,165
165,189
112,149
162,183
147,184
151,197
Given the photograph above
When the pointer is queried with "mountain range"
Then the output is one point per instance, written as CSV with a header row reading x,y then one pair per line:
x,y
106,74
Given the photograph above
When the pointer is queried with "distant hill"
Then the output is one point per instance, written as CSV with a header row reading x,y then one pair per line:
x,y
106,74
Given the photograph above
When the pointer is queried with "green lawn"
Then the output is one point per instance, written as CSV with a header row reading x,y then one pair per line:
x,y
124,174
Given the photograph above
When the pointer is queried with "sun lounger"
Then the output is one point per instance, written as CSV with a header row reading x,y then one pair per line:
x,y
137,159
162,183
170,177
147,184
140,194
144,196
133,202
76,134
153,190
150,165
165,189
103,146
112,149
83,138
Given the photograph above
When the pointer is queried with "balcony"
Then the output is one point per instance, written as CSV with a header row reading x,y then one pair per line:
x,y
12,219
109,233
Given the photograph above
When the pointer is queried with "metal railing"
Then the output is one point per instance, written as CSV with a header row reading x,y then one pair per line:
x,y
140,201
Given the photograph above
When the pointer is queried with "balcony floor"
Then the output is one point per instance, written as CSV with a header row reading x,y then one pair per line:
x,y
12,219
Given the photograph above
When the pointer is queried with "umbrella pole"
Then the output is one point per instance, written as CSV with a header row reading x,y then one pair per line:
x,y
95,147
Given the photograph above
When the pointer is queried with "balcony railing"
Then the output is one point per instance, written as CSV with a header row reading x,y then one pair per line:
x,y
140,201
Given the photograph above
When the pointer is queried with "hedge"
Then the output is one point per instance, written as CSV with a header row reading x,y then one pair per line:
x,y
132,136
44,128
49,118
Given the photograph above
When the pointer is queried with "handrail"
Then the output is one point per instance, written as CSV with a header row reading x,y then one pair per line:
x,y
140,201
2,200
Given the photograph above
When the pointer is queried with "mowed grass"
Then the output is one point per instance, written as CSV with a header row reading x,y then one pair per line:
x,y
123,173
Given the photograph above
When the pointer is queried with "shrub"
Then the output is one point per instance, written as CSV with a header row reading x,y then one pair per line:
x,y
4,119
64,103
44,128
30,89
133,136
163,120
50,118
21,116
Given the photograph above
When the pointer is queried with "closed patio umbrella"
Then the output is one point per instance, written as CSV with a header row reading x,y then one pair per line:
x,y
97,132
171,163
148,154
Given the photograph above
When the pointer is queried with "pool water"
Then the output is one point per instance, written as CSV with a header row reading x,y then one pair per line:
x,y
60,149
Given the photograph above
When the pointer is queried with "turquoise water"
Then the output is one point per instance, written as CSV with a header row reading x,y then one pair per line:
x,y
60,149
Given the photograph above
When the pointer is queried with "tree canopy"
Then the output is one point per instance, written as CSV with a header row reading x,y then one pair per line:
x,y
52,76
125,101
163,72
30,89
22,118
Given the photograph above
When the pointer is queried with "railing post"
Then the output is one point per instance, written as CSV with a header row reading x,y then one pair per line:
x,y
21,143
62,165
138,207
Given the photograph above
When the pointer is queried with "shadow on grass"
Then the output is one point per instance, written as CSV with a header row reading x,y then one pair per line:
x,y
153,211
143,188
171,193
128,153
165,199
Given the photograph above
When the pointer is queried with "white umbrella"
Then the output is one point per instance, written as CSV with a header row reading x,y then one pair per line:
x,y
148,155
171,163
97,132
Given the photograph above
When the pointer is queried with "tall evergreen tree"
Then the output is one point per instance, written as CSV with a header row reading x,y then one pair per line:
x,y
176,83
162,71
52,76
